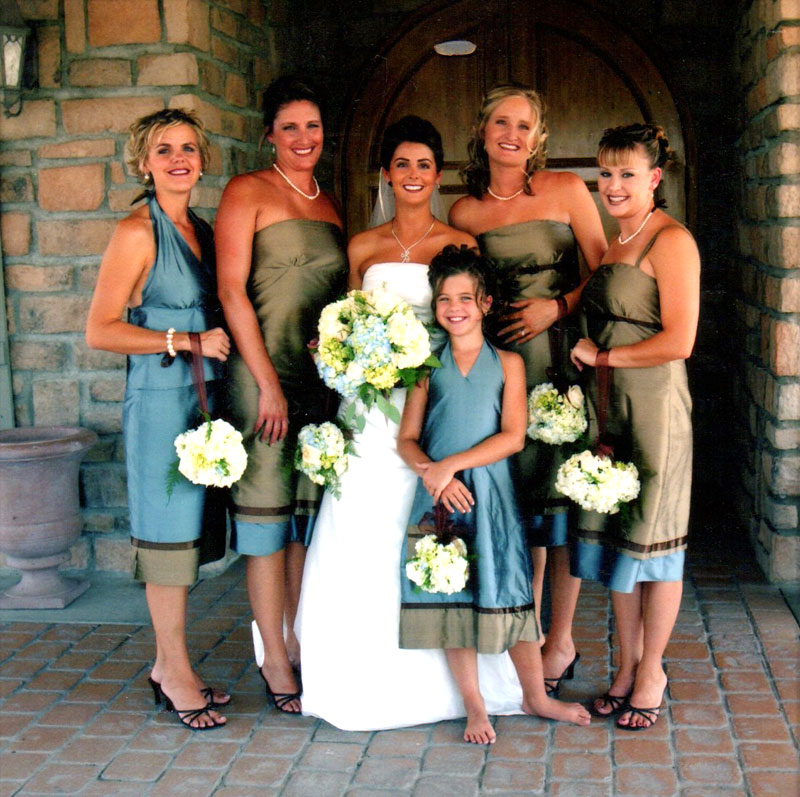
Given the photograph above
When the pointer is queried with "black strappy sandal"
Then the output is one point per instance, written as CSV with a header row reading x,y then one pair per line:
x,y
281,699
650,715
207,693
553,685
187,716
614,702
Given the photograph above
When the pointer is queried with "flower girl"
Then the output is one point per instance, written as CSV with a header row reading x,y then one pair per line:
x,y
459,427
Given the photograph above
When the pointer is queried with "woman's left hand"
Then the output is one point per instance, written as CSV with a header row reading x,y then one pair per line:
x,y
584,353
532,317
436,476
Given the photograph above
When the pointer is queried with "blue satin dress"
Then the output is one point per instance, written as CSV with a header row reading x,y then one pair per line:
x,y
160,402
495,610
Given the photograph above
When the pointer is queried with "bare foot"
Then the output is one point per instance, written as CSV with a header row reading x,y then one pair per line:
x,y
552,709
280,681
479,730
185,698
648,693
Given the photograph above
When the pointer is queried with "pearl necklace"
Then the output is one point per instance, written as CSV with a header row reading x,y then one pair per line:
x,y
639,229
406,256
299,191
504,198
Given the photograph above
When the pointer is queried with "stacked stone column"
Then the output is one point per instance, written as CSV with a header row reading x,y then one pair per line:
x,y
768,284
64,185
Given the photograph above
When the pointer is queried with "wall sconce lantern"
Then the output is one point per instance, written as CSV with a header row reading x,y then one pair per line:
x,y
13,38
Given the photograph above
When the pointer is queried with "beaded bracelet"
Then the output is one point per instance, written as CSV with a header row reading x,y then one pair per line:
x,y
170,348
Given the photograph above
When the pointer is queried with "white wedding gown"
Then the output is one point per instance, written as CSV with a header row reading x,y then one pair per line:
x,y
354,674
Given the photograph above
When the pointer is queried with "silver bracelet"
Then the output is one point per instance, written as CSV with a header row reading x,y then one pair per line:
x,y
170,348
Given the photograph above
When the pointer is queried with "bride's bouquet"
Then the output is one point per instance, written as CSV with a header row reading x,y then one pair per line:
x,y
597,482
439,567
556,417
369,342
322,454
212,455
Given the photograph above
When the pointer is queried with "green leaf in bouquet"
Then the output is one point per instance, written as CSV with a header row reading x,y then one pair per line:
x,y
350,414
388,409
360,422
173,477
433,361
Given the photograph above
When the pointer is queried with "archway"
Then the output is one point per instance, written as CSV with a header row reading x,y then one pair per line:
x,y
592,74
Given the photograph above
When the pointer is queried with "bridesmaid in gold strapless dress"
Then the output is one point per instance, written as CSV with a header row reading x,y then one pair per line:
x,y
281,259
532,222
640,308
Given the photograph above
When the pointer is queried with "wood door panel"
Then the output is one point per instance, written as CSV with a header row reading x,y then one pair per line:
x,y
583,95
592,74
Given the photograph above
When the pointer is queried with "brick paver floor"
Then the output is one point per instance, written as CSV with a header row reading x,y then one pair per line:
x,y
76,713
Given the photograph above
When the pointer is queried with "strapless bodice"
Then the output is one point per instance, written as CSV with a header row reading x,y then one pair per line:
x,y
409,281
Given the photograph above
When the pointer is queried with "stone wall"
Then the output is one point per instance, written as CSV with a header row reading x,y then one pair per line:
x,y
63,186
767,283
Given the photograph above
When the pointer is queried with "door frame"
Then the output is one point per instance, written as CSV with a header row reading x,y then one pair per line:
x,y
412,43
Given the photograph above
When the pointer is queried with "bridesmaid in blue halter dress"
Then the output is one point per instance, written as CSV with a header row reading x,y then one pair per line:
x,y
531,223
160,264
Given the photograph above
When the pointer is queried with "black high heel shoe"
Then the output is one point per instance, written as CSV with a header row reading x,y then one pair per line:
x,y
188,715
553,685
207,693
281,699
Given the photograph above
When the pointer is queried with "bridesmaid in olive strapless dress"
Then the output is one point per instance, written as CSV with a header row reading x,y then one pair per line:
x,y
281,259
298,267
532,223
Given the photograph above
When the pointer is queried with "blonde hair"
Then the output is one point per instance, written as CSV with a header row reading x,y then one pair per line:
x,y
144,131
476,173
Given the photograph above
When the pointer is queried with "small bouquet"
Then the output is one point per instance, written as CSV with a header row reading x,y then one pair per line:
x,y
369,342
554,416
211,455
322,454
439,567
597,482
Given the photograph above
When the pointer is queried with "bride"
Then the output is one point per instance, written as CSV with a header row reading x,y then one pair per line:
x,y
354,675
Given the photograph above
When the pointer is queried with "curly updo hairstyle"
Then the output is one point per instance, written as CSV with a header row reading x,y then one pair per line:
x,y
284,90
618,143
476,173
453,260
148,129
415,130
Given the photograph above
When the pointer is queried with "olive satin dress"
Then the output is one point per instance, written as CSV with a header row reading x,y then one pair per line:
x,y
541,258
298,266
649,414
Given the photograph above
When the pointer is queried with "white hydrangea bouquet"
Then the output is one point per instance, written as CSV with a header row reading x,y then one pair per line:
x,y
369,342
597,482
212,455
322,453
439,566
556,416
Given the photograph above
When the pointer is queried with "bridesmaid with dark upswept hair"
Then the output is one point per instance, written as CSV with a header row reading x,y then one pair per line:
x,y
640,309
281,259
532,222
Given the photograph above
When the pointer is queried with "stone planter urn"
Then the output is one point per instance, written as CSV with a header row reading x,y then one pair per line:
x,y
40,515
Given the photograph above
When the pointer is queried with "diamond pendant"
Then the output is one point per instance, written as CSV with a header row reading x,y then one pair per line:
x,y
406,256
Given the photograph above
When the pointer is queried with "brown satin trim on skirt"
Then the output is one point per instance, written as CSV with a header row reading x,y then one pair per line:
x,y
453,626
612,317
535,269
528,607
165,546
632,548
166,568
264,511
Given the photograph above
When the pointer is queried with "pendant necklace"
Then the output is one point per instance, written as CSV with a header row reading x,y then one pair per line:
x,y
638,230
406,256
504,198
299,191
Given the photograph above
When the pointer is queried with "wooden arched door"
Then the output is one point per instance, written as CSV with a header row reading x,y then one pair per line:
x,y
590,72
